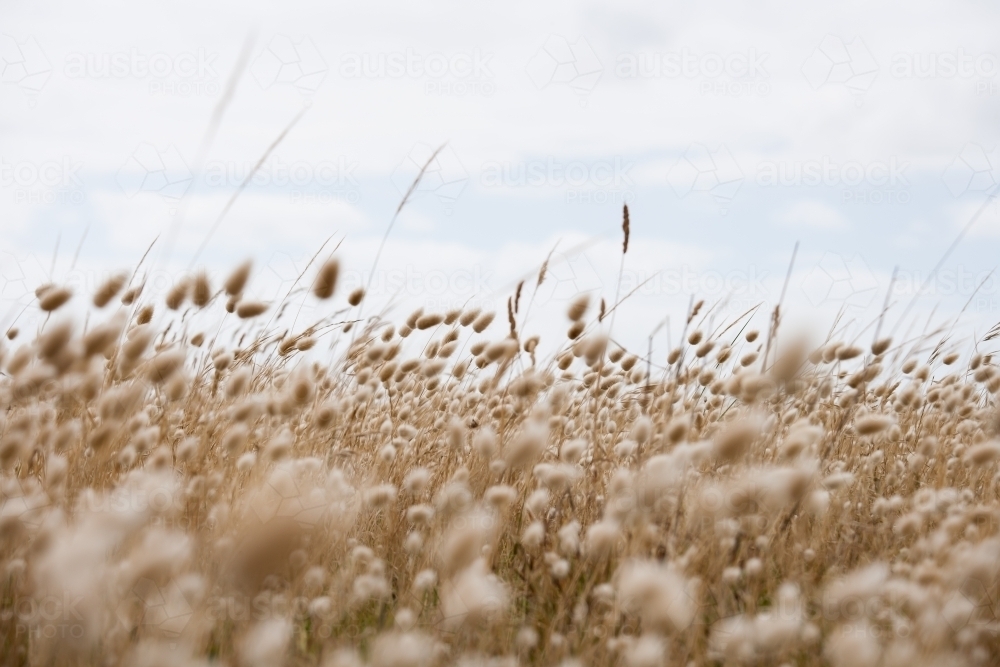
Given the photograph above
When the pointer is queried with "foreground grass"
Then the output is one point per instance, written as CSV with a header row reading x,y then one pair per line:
x,y
437,493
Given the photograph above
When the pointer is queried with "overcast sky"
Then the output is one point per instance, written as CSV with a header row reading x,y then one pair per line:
x,y
865,132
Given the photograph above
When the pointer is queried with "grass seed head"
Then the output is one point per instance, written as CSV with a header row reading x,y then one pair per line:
x,y
109,289
326,279
237,280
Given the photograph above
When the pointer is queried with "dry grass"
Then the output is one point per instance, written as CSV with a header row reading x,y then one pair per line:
x,y
438,493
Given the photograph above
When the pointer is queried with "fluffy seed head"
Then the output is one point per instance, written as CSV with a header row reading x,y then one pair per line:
x,y
248,309
483,321
734,440
109,289
578,307
54,298
326,279
237,280
201,289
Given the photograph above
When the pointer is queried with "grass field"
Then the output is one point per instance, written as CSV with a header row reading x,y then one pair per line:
x,y
448,489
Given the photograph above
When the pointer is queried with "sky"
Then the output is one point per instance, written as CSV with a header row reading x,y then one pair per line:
x,y
858,139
